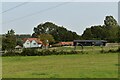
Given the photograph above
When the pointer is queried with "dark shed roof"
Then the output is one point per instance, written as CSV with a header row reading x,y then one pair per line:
x,y
89,41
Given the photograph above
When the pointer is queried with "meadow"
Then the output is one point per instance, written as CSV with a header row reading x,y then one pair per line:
x,y
91,65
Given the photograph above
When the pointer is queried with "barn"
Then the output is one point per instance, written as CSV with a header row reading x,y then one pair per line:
x,y
89,42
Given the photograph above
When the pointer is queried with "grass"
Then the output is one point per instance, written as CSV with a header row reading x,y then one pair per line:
x,y
86,48
90,65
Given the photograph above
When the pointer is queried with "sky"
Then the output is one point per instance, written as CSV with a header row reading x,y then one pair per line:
x,y
75,16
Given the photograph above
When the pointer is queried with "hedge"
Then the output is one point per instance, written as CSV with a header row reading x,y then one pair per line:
x,y
35,52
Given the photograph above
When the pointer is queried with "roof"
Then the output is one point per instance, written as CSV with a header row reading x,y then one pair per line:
x,y
31,39
65,43
89,41
18,46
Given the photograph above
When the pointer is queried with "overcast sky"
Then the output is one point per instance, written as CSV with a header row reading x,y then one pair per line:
x,y
75,16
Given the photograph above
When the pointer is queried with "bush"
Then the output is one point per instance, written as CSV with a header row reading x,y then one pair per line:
x,y
55,52
29,52
11,54
56,45
118,49
110,51
35,52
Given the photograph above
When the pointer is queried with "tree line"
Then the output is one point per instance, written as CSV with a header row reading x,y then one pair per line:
x,y
59,33
110,31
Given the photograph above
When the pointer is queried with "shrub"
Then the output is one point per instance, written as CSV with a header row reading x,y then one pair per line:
x,y
11,54
35,52
56,45
102,51
118,49
29,52
110,51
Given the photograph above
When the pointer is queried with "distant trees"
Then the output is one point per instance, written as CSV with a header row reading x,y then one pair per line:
x,y
9,41
119,34
20,37
0,41
58,32
87,34
108,31
19,41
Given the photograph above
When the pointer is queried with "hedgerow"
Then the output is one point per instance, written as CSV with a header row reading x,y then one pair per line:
x,y
35,52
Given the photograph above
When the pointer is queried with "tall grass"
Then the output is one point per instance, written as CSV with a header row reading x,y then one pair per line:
x,y
90,65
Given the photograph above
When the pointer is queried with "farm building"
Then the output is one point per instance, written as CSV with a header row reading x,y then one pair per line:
x,y
66,43
63,44
89,42
32,43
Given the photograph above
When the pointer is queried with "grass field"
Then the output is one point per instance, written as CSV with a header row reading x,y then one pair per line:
x,y
86,48
61,66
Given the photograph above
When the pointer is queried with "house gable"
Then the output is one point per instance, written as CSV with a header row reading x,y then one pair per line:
x,y
32,42
26,44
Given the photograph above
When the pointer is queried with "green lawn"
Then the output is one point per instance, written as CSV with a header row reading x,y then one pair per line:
x,y
61,66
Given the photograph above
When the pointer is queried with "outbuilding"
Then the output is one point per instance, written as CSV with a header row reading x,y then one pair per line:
x,y
89,42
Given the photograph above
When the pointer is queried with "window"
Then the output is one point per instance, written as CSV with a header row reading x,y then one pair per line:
x,y
34,43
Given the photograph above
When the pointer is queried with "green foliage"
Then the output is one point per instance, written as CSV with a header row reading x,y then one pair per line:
x,y
118,49
58,32
46,37
87,34
108,31
35,52
29,52
0,41
11,54
119,34
110,51
21,36
9,41
110,22
19,42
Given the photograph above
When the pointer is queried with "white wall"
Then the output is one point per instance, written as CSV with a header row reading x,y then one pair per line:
x,y
29,44
26,44
34,44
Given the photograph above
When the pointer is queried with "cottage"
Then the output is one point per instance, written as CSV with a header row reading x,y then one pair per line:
x,y
89,42
32,43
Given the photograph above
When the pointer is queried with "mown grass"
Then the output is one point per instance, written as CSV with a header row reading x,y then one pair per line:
x,y
92,65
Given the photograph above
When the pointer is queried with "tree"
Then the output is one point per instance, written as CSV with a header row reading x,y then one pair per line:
x,y
110,22
0,41
119,34
108,31
119,38
19,42
87,34
46,38
9,41
59,33
47,27
112,28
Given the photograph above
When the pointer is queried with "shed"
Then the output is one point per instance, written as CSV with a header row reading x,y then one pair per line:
x,y
89,42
